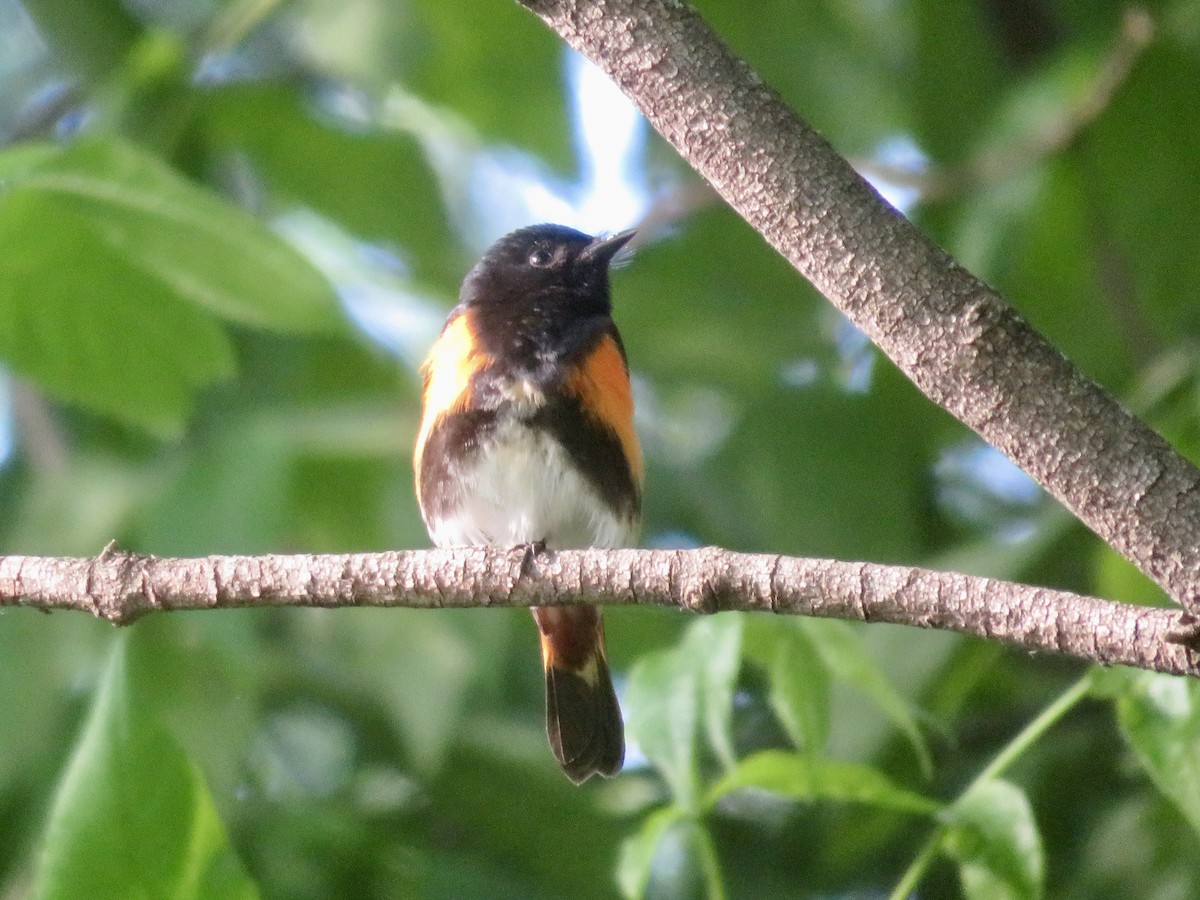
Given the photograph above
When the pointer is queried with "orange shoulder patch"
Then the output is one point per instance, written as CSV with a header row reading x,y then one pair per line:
x,y
601,382
453,359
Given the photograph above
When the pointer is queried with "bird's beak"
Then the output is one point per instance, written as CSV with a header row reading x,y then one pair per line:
x,y
602,250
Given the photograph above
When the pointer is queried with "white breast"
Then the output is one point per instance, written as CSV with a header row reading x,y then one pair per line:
x,y
522,488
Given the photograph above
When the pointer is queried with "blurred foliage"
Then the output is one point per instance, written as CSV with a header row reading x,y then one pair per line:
x,y
230,229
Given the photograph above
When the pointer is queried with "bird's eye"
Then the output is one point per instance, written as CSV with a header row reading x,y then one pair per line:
x,y
540,258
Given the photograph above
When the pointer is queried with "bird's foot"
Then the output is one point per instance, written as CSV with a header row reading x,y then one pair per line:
x,y
530,552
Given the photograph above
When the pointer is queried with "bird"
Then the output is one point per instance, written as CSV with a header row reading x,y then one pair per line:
x,y
527,440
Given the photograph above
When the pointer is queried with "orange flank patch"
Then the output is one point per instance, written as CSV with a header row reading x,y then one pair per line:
x,y
447,370
601,382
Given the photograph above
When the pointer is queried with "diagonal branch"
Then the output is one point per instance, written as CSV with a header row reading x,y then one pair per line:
x,y
955,337
121,587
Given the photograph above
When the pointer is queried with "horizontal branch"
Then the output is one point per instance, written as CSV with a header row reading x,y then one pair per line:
x,y
121,587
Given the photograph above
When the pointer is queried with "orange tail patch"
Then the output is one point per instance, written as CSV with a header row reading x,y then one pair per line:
x,y
583,720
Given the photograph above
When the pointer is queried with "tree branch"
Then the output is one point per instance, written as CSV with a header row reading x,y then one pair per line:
x,y
955,337
122,587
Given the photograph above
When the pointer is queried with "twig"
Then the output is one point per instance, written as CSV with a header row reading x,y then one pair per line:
x,y
122,587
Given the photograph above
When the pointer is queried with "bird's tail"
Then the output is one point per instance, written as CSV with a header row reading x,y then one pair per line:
x,y
583,720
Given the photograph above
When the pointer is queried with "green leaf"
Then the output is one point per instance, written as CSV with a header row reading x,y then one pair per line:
x,y
423,667
38,693
74,511
956,75
1033,236
132,816
768,449
637,851
848,481
1111,683
90,327
267,122
843,654
18,159
995,840
200,508
91,39
1160,717
672,855
114,273
691,281
717,640
509,805
670,690
706,852
1116,578
662,710
799,680
1143,146
200,246
489,81
802,777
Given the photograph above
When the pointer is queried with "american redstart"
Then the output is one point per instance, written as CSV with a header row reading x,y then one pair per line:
x,y
527,439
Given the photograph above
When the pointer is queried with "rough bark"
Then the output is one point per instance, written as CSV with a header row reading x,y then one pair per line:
x,y
121,587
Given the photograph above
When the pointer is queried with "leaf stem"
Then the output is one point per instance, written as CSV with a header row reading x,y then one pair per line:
x,y
1034,730
916,869
1005,758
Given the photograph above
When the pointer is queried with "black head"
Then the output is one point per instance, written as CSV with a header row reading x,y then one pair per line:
x,y
548,270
